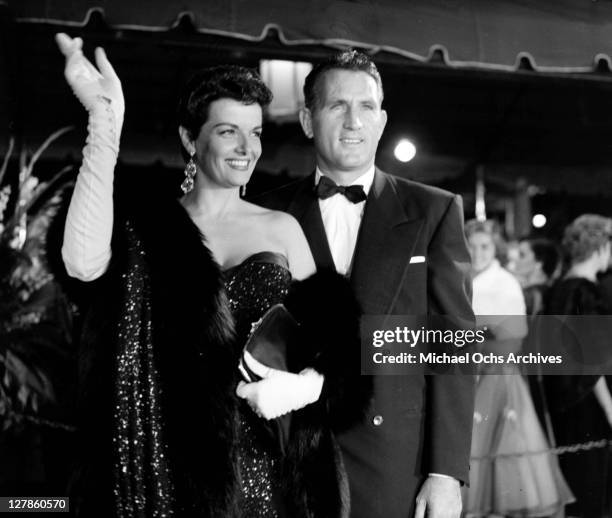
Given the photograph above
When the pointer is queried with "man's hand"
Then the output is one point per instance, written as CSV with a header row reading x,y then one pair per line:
x,y
89,83
439,497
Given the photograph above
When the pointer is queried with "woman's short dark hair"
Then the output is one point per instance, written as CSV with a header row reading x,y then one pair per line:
x,y
585,235
347,60
546,252
211,84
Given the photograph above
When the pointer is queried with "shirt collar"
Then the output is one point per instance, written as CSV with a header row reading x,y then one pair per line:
x,y
366,179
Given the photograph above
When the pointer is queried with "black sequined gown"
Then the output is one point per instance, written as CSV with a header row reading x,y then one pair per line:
x,y
253,286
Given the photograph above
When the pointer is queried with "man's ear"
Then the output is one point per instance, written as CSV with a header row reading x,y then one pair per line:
x,y
188,144
306,121
383,114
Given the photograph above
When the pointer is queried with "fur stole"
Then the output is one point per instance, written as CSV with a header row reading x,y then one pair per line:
x,y
163,297
328,313
162,301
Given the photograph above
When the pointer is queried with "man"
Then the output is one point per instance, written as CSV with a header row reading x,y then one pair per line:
x,y
402,244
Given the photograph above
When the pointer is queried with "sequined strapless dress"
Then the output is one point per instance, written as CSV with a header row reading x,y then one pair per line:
x,y
253,286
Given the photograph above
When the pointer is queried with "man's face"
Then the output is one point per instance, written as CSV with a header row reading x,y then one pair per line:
x,y
347,122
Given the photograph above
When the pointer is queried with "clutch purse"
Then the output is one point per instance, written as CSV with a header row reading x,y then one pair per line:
x,y
268,342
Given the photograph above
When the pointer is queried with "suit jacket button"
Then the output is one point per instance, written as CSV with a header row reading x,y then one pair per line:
x,y
377,420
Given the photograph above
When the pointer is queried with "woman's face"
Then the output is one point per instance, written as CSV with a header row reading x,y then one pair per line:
x,y
229,143
482,251
526,262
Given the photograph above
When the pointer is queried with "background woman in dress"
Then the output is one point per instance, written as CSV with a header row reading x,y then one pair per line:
x,y
581,406
161,348
537,267
505,422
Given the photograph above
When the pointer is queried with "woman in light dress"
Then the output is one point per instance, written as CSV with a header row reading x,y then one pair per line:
x,y
505,477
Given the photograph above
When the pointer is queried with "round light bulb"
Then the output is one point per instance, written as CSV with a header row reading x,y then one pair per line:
x,y
538,220
405,150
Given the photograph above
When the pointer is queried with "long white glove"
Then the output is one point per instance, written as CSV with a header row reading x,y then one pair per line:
x,y
90,84
87,235
279,392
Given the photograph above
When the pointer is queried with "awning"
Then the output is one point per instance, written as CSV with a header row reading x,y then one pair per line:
x,y
547,35
448,68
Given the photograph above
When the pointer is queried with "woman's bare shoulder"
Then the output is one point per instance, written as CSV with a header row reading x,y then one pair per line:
x,y
280,221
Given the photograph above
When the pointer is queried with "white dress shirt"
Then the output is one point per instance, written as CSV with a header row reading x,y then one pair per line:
x,y
341,219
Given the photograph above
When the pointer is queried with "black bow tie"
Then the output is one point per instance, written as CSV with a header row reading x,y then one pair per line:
x,y
326,188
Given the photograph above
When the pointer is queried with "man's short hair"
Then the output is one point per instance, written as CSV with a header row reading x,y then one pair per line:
x,y
347,60
585,235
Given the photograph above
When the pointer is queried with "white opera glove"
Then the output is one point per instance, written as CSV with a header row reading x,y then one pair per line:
x,y
279,392
92,86
86,250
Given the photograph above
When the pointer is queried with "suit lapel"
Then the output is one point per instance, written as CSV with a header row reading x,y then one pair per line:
x,y
384,247
305,208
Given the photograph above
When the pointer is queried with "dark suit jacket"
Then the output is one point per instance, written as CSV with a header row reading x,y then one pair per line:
x,y
415,425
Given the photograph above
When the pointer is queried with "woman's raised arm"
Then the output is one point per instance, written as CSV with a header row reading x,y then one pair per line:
x,y
86,250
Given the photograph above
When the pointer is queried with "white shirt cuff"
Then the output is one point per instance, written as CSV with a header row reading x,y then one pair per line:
x,y
440,475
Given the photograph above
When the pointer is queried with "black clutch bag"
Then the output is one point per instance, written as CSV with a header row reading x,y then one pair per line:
x,y
268,343
269,340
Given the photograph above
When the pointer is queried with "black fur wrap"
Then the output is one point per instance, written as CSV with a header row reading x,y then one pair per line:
x,y
178,296
181,300
328,313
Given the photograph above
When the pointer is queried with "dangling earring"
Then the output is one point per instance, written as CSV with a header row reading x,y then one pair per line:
x,y
190,172
243,190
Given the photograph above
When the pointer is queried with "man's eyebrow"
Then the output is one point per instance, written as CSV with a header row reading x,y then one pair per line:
x,y
342,100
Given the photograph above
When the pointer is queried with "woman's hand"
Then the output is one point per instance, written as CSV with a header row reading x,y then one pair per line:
x,y
281,392
91,85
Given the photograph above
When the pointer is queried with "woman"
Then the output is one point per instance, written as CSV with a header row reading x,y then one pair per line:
x,y
537,267
581,406
162,340
513,482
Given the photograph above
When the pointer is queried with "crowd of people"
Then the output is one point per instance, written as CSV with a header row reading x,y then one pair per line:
x,y
168,425
518,419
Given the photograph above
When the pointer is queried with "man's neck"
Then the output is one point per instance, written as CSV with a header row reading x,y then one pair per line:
x,y
344,177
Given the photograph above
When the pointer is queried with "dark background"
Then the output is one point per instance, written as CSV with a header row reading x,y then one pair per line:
x,y
542,134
